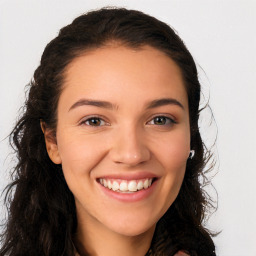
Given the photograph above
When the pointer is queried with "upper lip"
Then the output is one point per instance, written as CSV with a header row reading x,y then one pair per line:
x,y
129,176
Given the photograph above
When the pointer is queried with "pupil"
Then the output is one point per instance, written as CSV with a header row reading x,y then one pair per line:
x,y
95,122
160,120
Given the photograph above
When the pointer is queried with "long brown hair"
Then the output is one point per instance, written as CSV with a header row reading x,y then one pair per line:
x,y
42,214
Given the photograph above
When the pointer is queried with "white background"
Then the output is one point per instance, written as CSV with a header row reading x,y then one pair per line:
x,y
220,36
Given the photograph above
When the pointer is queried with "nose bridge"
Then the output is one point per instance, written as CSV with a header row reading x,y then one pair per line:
x,y
129,146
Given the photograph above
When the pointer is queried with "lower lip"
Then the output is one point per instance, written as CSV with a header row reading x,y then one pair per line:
x,y
130,197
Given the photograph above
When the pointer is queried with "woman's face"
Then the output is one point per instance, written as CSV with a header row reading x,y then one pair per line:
x,y
123,136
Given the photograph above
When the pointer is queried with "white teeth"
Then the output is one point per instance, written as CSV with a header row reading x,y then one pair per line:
x,y
126,186
109,184
140,185
115,186
146,184
132,186
123,186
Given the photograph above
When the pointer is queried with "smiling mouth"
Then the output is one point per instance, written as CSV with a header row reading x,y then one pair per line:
x,y
126,186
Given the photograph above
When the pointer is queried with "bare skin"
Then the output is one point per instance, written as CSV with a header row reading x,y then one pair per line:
x,y
92,240
122,117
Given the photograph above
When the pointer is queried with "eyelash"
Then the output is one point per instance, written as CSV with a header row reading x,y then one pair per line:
x,y
167,121
98,118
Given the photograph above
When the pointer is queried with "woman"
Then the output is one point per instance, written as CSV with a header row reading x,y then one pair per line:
x,y
109,149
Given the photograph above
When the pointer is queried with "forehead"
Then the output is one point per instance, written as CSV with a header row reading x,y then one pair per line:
x,y
118,71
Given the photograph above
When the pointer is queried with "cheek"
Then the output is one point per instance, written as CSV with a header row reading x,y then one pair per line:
x,y
174,150
79,153
173,154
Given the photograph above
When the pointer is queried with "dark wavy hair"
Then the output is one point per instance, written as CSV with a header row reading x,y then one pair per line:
x,y
42,215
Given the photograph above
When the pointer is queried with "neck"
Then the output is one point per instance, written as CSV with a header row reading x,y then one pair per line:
x,y
94,240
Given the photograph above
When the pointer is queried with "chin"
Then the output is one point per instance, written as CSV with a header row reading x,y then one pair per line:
x,y
132,226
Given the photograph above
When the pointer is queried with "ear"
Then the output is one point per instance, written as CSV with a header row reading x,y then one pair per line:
x,y
51,143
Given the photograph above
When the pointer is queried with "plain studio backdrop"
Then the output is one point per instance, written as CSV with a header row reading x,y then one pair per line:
x,y
221,37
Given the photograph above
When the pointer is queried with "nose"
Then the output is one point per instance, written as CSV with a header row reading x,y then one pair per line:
x,y
130,147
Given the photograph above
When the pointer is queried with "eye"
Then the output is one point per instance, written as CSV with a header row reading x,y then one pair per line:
x,y
161,120
94,121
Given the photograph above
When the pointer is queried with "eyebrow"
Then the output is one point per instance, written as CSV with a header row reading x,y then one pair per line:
x,y
108,105
163,102
96,103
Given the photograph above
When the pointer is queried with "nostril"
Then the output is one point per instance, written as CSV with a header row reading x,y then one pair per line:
x,y
129,150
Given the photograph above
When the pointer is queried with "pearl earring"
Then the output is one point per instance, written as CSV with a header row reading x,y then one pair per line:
x,y
191,154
